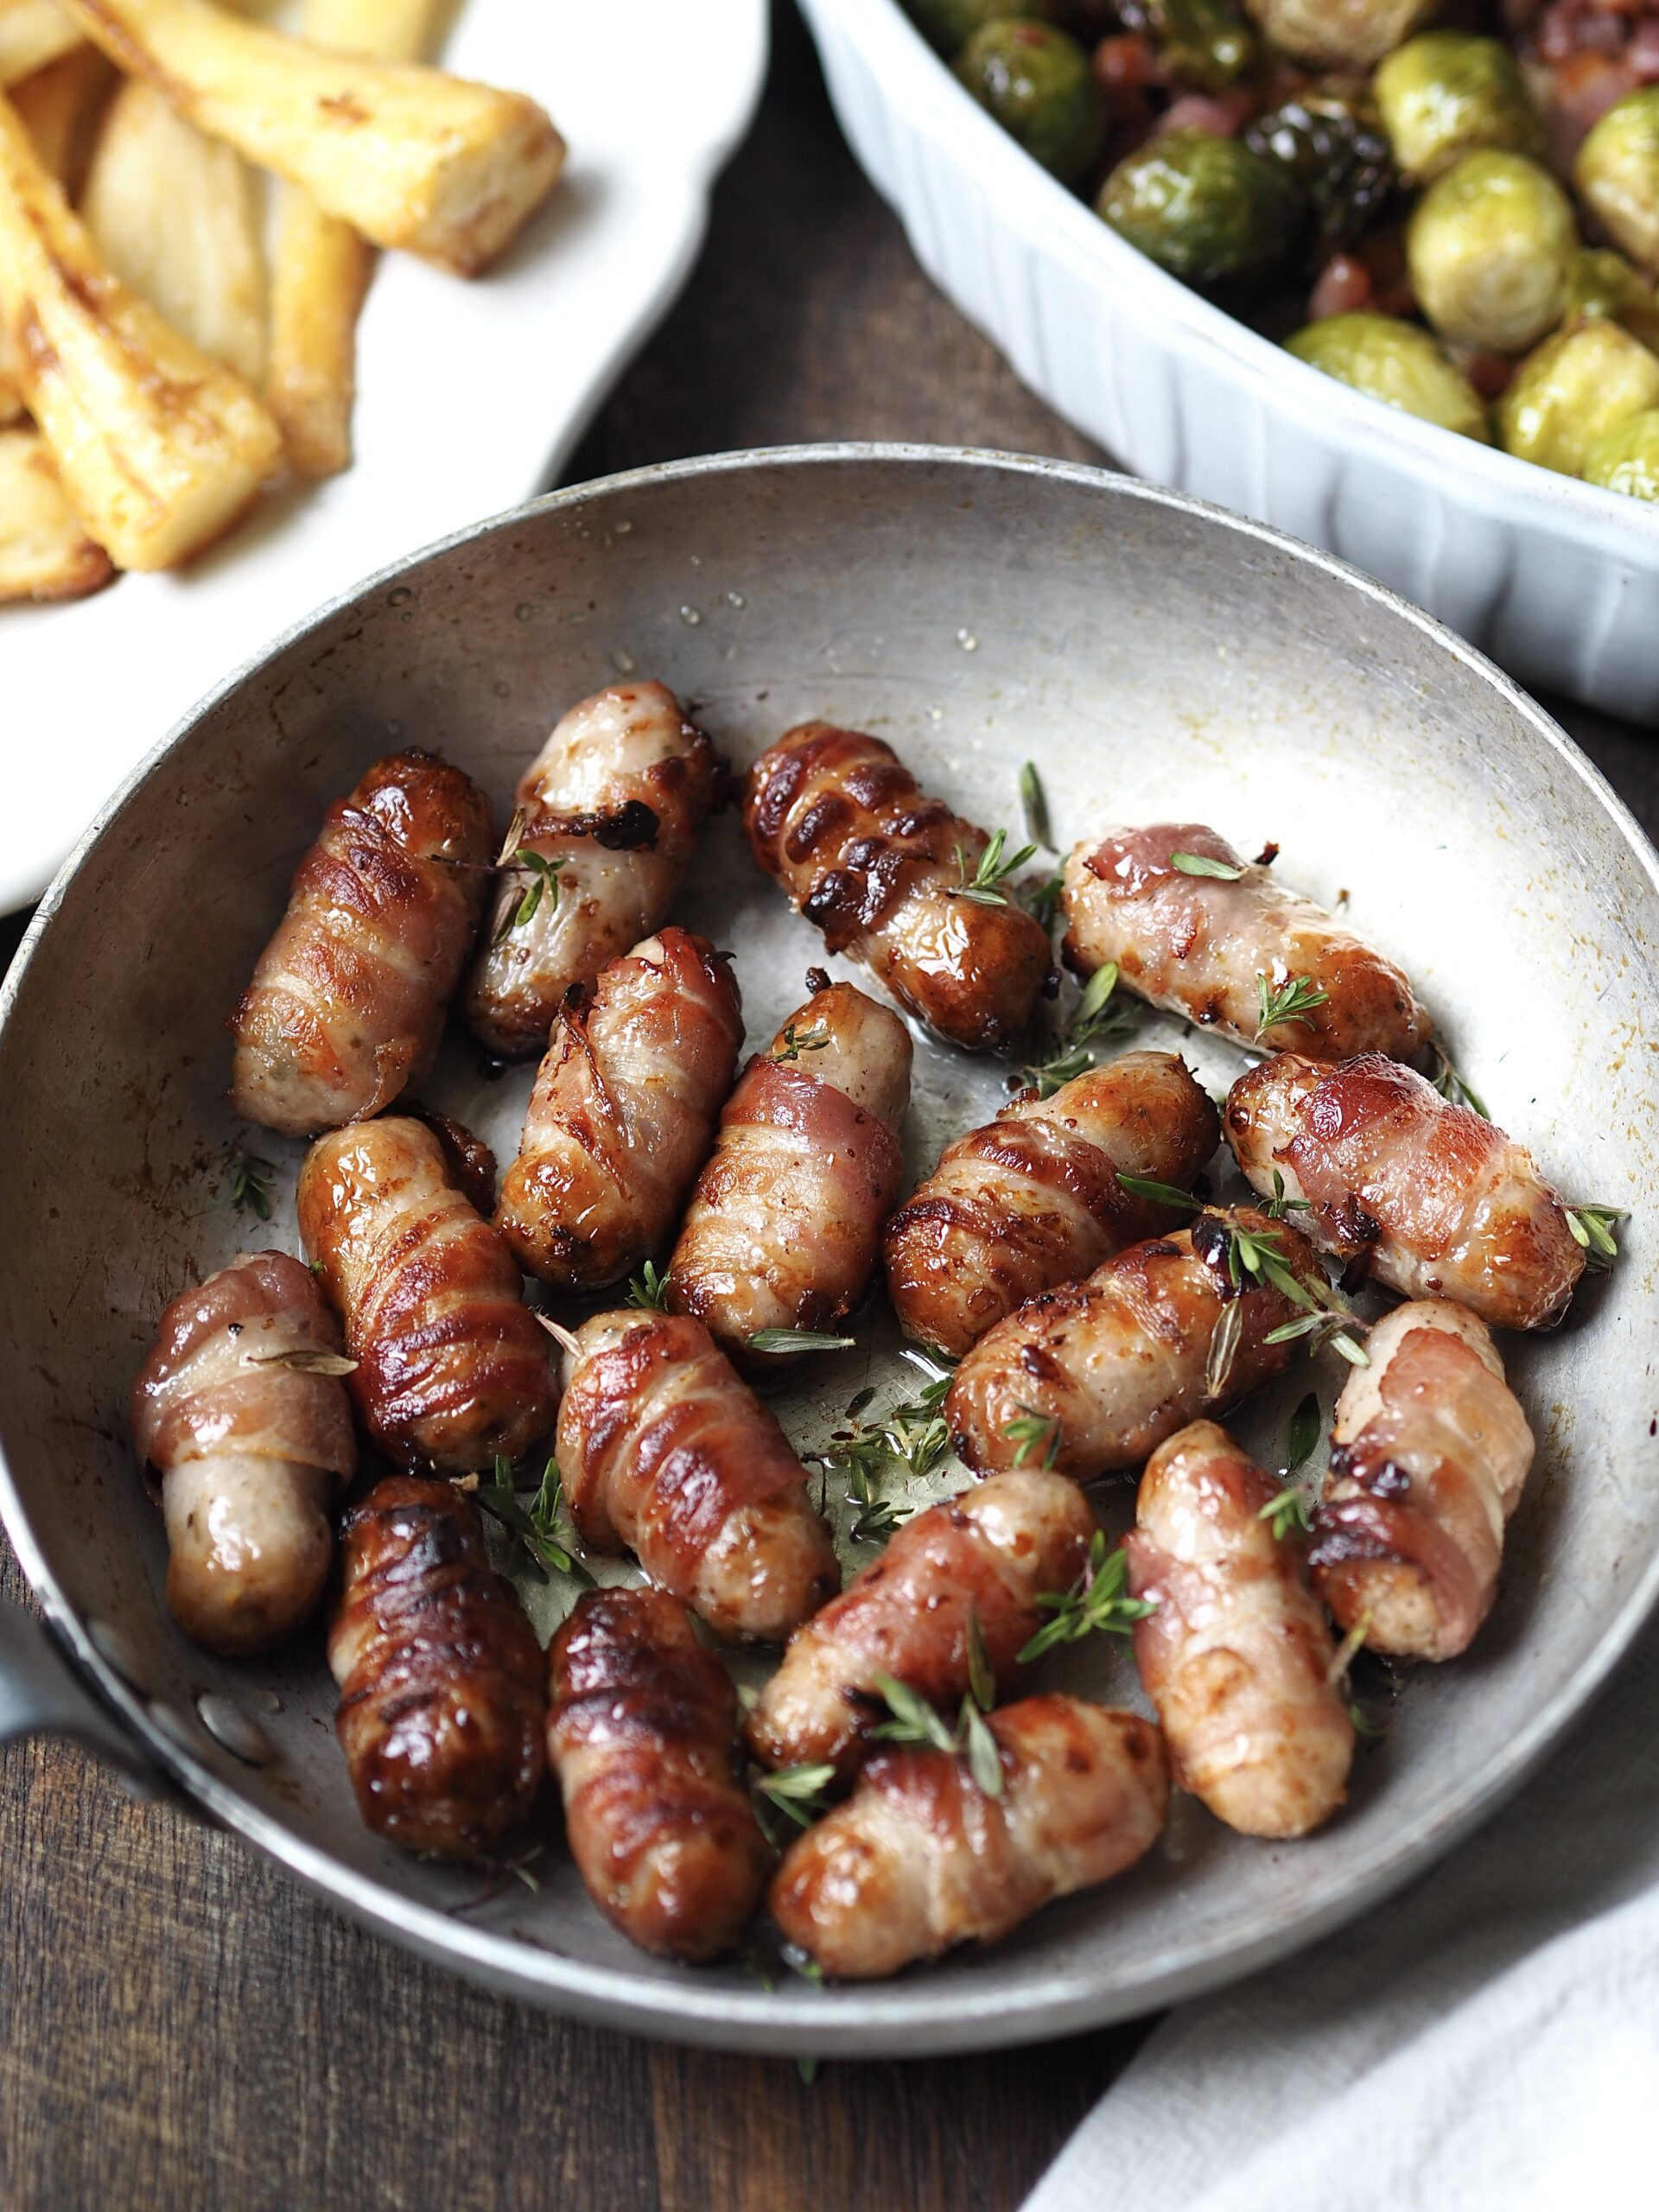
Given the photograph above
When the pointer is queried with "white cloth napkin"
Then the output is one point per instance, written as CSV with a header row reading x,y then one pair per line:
x,y
1486,2041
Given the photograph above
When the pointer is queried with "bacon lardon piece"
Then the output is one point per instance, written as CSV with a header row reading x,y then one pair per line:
x,y
871,862
784,1226
249,1446
642,1733
615,799
1236,1656
1033,1200
985,1555
1435,1200
451,1368
1199,946
1092,1377
666,1452
623,1113
919,1858
347,1001
1432,1451
441,1707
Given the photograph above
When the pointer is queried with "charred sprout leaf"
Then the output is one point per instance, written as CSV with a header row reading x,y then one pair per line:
x,y
543,876
1287,1001
249,1182
1095,1604
649,1288
1303,1433
302,1360
1223,1349
798,1340
1030,1431
1165,1194
1201,864
808,1040
1034,800
1592,1227
1279,1206
982,1681
982,885
1450,1084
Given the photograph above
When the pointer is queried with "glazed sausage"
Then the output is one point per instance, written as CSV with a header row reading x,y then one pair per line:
x,y
1432,1451
642,1733
1107,1368
871,862
441,1707
1236,1656
985,1556
249,1446
1033,1200
451,1368
919,1858
616,800
1435,1200
623,1113
1200,946
783,1227
665,1451
347,1001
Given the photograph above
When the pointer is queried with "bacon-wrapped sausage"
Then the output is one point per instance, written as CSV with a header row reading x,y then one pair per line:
x,y
1201,945
442,1704
1236,1655
1090,1378
1432,1451
919,1858
783,1227
451,1368
642,1733
1033,1200
1435,1200
248,1438
623,1113
873,863
987,1555
614,802
347,1001
665,1451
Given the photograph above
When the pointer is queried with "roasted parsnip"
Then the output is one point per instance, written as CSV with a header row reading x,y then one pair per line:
x,y
58,105
440,167
32,33
45,552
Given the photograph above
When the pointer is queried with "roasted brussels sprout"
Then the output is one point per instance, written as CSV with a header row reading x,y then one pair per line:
x,y
1571,391
947,25
1329,140
1617,173
1337,34
1603,284
1202,207
1490,248
1444,94
1038,84
1627,458
1395,362
1204,43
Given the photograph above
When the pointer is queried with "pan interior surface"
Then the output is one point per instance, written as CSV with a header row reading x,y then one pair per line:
x,y
1157,662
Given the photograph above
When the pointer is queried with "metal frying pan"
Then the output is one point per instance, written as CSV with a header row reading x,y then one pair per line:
x,y
1155,657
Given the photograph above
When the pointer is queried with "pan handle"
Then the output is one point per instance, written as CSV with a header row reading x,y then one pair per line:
x,y
42,1694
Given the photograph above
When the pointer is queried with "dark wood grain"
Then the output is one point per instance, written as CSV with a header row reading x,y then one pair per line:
x,y
180,2025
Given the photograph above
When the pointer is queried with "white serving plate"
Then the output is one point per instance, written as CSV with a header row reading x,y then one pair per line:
x,y
1556,579
471,397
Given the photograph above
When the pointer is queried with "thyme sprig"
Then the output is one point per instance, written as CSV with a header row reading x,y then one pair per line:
x,y
983,886
518,859
1287,1001
1034,800
1293,1507
535,1524
1279,1206
1201,864
249,1182
793,1793
912,1435
1592,1227
795,1043
1453,1084
1096,1604
915,1721
1098,1017
798,1340
649,1288
1043,899
1032,1431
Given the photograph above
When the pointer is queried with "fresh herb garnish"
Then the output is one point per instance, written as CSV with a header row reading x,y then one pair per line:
x,y
915,1721
535,1524
1033,1430
1201,864
249,1182
1095,1603
1293,1507
982,885
798,1340
1043,899
1452,1085
796,1792
1034,800
794,1043
1097,1019
1351,1644
649,1288
1592,1227
805,2066
523,860
912,1435
1164,1194
1259,1253
1279,1206
1287,1001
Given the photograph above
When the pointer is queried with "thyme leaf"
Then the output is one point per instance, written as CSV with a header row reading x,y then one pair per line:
x,y
1592,1227
798,1340
1287,1001
915,1721
808,1040
1095,1603
1451,1084
1033,1430
912,1435
543,876
1096,1019
1165,1194
534,1524
984,885
249,1182
1201,864
649,1288
1279,1206
796,1792
1034,800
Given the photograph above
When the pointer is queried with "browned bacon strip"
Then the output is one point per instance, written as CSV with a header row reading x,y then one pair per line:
x,y
642,1733
985,1556
1434,1200
1432,1452
1201,944
919,1858
440,1699
1236,1656
623,1113
871,862
666,1452
347,1001
783,1227
615,801
1033,1200
451,1368
248,1439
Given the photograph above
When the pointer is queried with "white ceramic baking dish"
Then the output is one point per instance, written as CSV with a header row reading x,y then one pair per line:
x,y
1557,580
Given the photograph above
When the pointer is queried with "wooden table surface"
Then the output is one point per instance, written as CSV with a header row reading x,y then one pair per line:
x,y
180,2025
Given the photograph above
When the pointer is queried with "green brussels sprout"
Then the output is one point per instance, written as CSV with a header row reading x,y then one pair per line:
x,y
1626,458
947,25
1490,250
1038,84
1603,284
1444,94
1329,140
1337,34
1572,389
1204,43
1202,207
1396,363
1617,174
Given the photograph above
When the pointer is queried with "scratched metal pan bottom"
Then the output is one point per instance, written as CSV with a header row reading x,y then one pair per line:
x,y
1157,659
